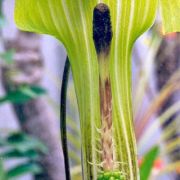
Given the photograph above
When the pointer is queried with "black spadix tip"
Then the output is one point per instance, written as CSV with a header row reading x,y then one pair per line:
x,y
102,30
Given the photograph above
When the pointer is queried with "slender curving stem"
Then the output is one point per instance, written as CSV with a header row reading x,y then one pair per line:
x,y
63,117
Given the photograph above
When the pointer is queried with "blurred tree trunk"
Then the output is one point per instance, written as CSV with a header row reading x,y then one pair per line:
x,y
167,63
35,117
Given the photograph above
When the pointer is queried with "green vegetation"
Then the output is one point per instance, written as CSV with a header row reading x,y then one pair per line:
x,y
71,22
22,147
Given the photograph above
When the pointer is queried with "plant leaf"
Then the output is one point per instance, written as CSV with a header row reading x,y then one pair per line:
x,y
148,163
170,11
8,56
2,171
22,94
32,154
23,169
23,143
2,21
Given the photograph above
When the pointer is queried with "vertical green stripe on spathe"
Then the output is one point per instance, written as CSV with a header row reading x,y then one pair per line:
x,y
71,22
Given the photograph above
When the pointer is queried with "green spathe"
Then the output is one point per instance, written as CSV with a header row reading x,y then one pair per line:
x,y
170,15
70,21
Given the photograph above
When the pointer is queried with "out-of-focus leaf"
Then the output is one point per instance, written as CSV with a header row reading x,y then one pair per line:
x,y
22,94
155,105
148,162
75,158
2,172
20,146
23,169
24,143
32,154
8,55
2,21
2,142
2,18
170,11
37,90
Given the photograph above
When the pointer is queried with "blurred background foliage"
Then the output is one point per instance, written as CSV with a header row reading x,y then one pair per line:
x,y
31,75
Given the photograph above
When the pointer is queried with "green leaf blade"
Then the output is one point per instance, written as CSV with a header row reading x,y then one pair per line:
x,y
22,169
23,143
22,94
148,163
13,154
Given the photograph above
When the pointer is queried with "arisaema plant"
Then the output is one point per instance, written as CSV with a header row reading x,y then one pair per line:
x,y
99,36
